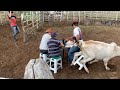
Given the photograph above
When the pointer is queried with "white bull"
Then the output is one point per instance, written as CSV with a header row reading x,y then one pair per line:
x,y
96,50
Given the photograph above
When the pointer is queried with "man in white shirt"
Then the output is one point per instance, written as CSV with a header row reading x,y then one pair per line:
x,y
77,35
43,44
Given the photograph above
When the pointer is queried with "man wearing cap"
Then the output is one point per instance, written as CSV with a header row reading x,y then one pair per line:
x,y
43,44
54,46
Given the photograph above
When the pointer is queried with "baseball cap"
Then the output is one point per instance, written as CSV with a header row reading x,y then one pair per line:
x,y
54,34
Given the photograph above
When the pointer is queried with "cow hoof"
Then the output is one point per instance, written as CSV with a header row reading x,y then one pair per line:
x,y
107,68
87,71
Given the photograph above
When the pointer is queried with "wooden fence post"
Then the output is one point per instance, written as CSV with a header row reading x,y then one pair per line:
x,y
67,16
73,16
117,16
79,16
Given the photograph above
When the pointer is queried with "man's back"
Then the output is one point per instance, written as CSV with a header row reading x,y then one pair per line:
x,y
53,47
43,43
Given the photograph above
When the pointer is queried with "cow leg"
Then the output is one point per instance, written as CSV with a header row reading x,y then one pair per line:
x,y
86,69
93,61
84,61
76,54
106,63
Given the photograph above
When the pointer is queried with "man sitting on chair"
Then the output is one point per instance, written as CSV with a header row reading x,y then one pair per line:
x,y
54,46
43,44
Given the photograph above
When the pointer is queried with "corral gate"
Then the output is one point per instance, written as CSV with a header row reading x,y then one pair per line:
x,y
31,21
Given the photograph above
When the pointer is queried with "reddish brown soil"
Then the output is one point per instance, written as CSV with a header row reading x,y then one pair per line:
x,y
14,57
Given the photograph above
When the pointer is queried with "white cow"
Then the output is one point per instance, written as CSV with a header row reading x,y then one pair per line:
x,y
96,50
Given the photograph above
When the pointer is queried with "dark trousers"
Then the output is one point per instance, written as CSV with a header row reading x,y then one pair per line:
x,y
44,51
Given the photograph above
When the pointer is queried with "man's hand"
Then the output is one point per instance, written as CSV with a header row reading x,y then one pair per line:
x,y
62,44
9,14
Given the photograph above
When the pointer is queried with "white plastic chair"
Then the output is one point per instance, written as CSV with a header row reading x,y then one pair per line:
x,y
78,62
55,64
44,57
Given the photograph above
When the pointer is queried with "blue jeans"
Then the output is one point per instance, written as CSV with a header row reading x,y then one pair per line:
x,y
15,31
71,52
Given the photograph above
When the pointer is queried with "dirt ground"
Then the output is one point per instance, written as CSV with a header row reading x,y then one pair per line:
x,y
14,57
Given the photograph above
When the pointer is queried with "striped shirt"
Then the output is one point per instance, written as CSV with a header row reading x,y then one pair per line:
x,y
53,47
